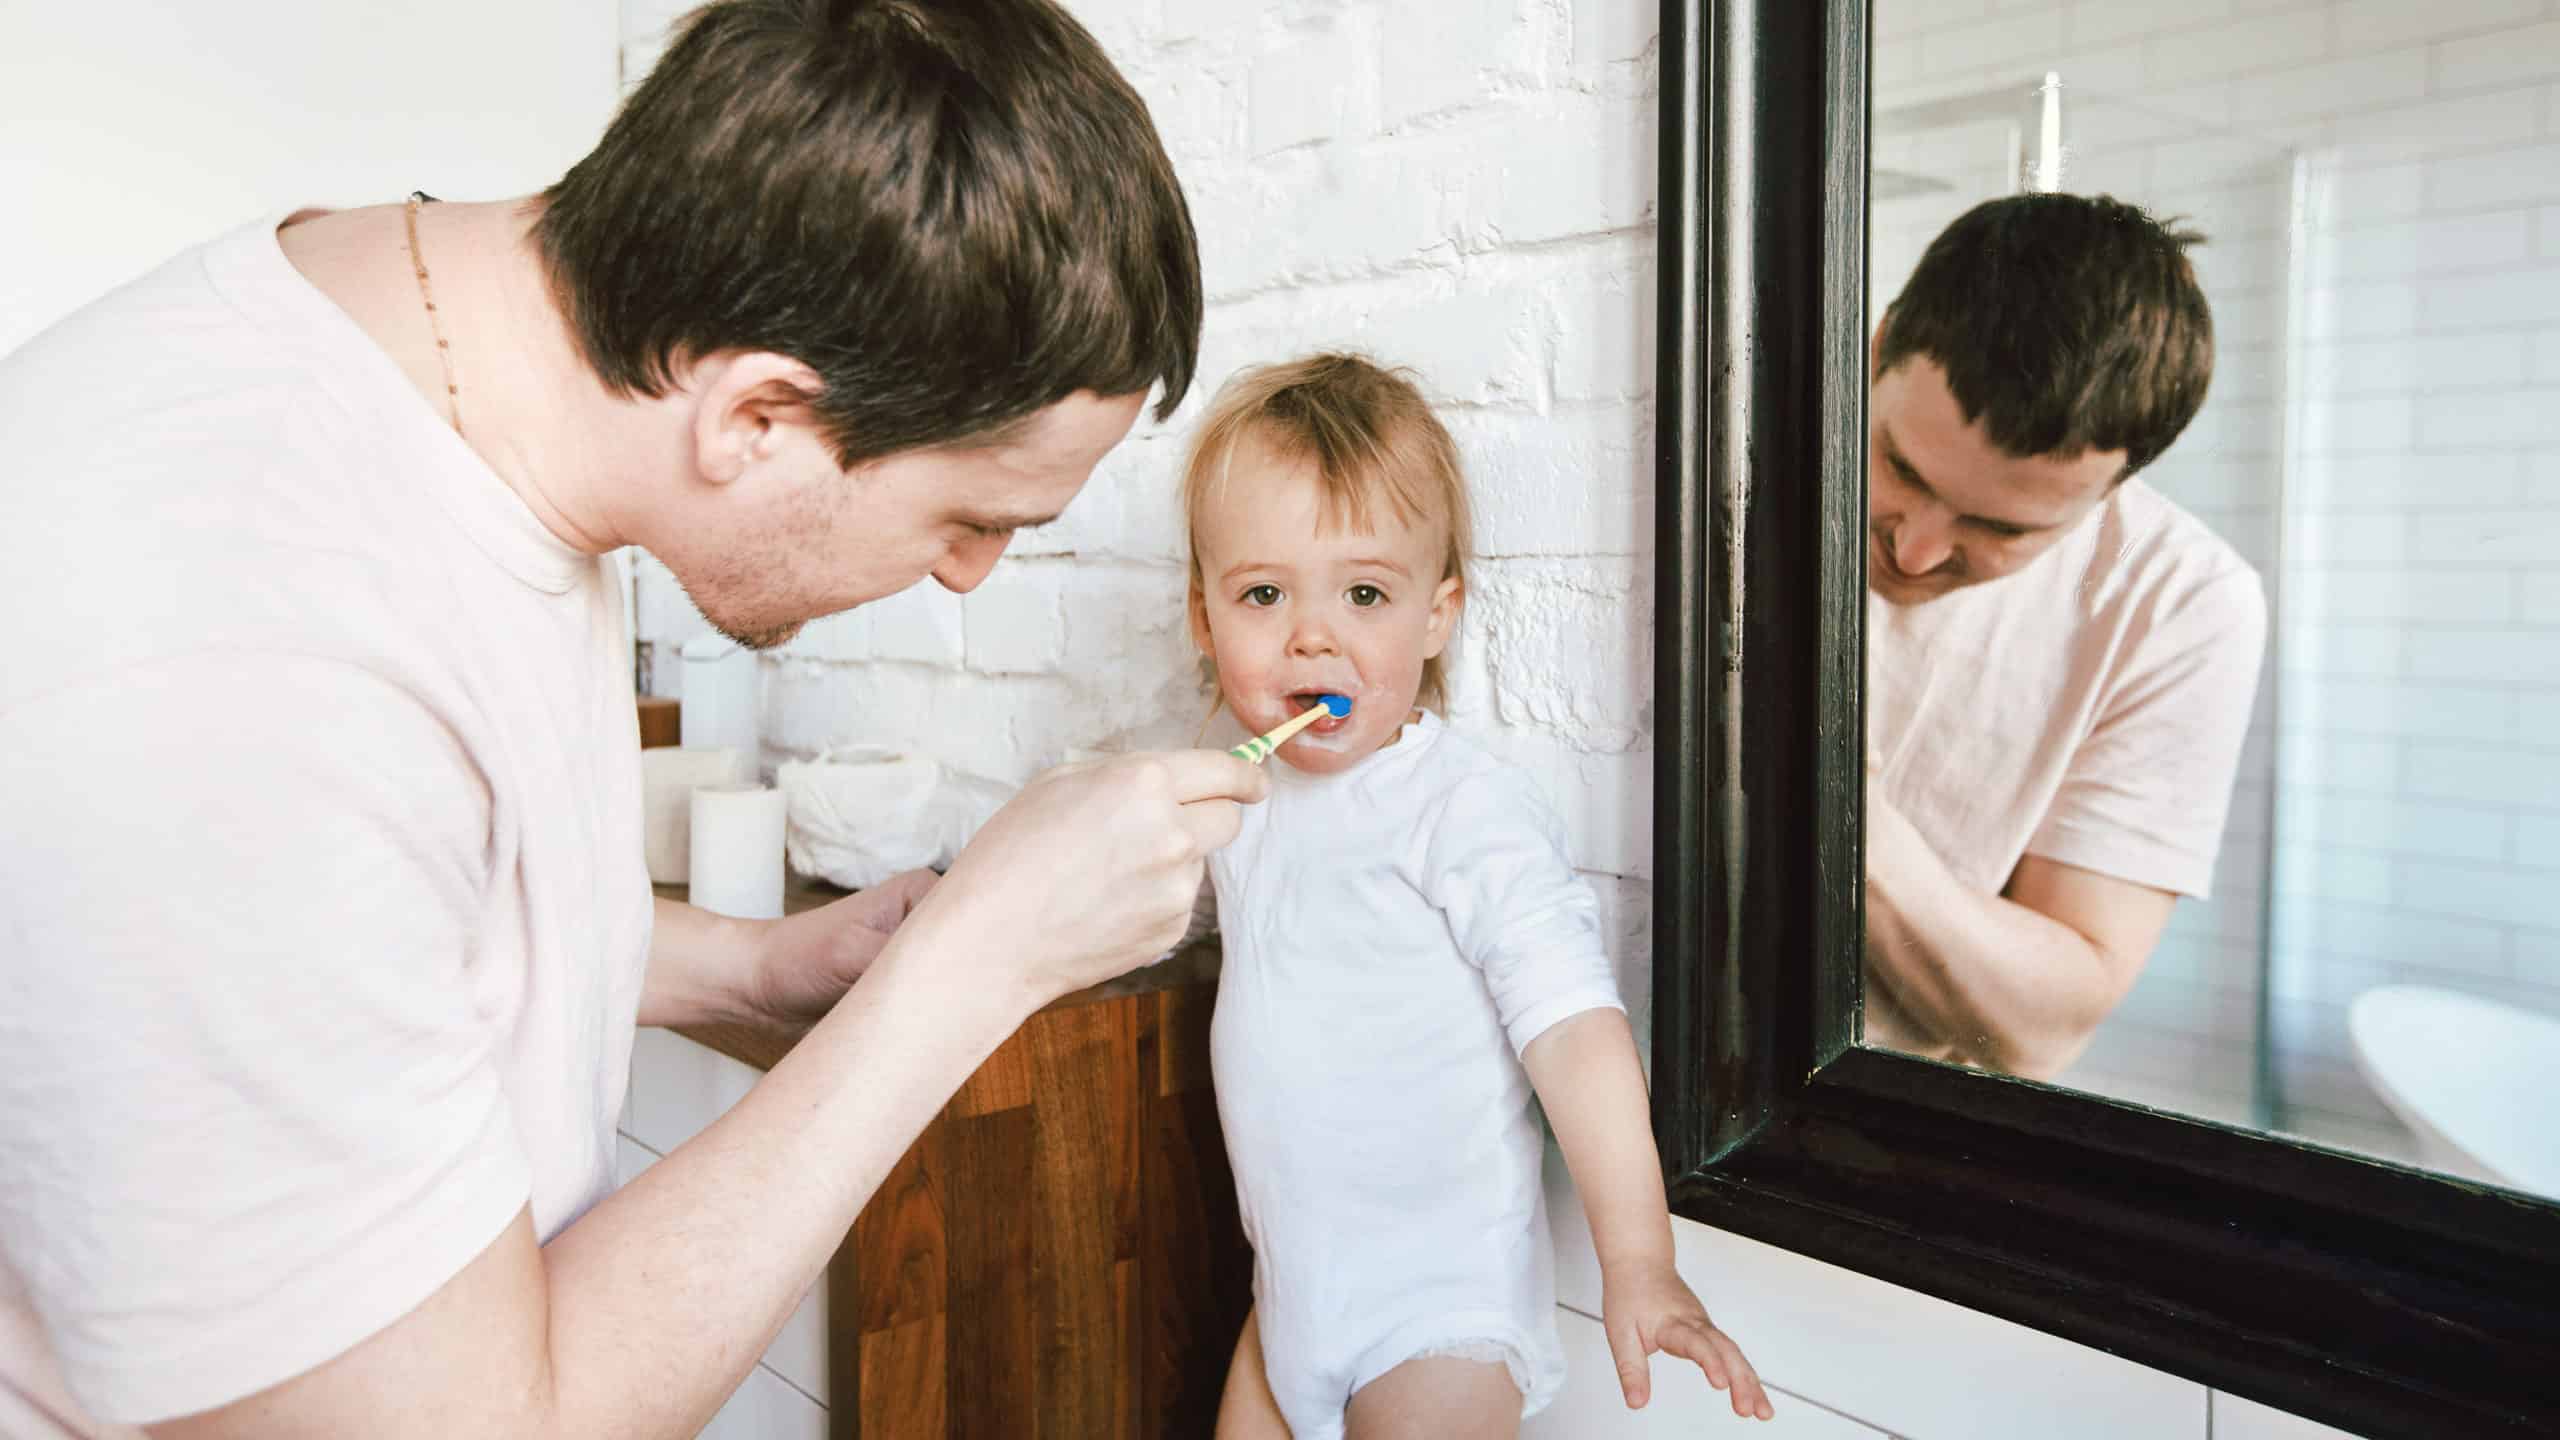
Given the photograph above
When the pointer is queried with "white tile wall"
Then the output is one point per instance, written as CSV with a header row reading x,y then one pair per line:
x,y
1683,1405
1468,187
1894,1360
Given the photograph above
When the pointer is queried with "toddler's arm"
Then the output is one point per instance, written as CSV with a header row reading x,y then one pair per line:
x,y
1592,1086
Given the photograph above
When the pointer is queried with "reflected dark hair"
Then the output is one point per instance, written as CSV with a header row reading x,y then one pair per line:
x,y
958,213
2065,324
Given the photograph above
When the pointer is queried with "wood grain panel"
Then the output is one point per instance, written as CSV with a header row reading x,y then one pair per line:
x,y
1198,1272
901,1255
903,1382
992,1365
1002,1083
1079,1158
1058,1255
1183,1044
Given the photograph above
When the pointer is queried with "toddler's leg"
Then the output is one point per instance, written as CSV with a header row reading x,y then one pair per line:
x,y
1246,1410
1437,1397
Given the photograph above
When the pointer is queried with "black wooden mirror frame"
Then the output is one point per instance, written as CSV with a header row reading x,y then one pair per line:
x,y
2362,1294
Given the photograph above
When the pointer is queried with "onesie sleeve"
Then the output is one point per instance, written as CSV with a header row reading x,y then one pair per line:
x,y
1495,865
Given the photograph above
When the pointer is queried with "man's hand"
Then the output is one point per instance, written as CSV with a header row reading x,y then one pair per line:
x,y
1646,1307
810,959
1091,871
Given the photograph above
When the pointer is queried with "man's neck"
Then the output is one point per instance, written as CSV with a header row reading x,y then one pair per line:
x,y
528,403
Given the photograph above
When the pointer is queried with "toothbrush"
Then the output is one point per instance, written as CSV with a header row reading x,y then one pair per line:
x,y
1260,747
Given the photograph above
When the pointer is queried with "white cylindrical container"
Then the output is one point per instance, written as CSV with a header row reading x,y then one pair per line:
x,y
719,696
736,860
668,778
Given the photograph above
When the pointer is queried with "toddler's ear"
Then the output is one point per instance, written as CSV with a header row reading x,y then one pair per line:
x,y
1446,602
1200,619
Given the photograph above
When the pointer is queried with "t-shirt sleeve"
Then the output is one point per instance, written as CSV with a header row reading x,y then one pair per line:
x,y
1496,866
248,1110
2146,794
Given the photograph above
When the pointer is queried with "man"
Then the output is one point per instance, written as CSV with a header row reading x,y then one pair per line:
x,y
325,922
2060,661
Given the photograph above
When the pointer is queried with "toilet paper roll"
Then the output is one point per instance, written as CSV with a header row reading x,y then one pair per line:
x,y
737,851
719,694
668,778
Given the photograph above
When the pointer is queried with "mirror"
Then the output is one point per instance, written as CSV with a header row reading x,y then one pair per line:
x,y
2229,786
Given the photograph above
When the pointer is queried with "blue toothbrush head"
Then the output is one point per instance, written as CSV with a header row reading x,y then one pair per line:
x,y
1336,706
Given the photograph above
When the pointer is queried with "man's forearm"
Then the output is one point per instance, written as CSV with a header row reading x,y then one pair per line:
x,y
664,1295
1993,981
701,966
642,1316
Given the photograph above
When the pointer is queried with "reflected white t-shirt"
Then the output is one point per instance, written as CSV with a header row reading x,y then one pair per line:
x,y
2089,709
324,919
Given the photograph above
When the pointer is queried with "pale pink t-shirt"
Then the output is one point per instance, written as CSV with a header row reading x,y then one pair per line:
x,y
2088,709
324,917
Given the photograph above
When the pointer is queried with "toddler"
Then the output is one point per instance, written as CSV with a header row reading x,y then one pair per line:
x,y
1409,957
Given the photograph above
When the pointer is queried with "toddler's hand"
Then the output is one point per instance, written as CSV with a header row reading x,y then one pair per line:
x,y
1648,1307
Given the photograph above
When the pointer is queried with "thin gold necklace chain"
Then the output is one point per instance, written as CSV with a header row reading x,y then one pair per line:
x,y
435,322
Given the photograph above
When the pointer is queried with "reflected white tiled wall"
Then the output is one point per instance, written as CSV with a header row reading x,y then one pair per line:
x,y
2419,754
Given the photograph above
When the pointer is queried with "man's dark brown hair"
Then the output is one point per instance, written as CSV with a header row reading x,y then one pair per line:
x,y
957,212
2065,324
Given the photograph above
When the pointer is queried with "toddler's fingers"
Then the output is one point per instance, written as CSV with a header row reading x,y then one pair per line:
x,y
1635,1377
1690,1341
1749,1398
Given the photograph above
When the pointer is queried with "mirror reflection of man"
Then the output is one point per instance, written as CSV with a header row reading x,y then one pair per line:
x,y
2060,661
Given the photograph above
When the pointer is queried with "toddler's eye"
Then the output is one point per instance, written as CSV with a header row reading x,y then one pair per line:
x,y
1264,595
1365,596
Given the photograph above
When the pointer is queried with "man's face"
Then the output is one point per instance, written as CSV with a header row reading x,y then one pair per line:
x,y
808,539
1946,508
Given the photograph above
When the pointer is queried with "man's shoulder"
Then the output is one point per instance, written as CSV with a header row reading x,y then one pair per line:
x,y
2155,559
2165,543
174,349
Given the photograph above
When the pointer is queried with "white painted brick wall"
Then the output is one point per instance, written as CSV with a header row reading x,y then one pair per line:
x,y
2419,642
1467,194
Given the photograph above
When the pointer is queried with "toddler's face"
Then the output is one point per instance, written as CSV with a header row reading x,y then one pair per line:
x,y
1292,609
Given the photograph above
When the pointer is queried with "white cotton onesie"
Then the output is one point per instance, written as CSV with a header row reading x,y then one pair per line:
x,y
1395,935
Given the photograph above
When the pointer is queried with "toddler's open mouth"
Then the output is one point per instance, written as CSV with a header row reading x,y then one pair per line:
x,y
1301,701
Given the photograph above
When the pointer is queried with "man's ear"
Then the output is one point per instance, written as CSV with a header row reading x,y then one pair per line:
x,y
1446,603
744,400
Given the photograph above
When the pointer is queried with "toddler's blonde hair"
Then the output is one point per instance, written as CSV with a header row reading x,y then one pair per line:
x,y
1374,443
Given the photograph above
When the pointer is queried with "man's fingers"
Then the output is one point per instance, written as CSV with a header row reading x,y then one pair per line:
x,y
1210,823
1212,775
909,888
